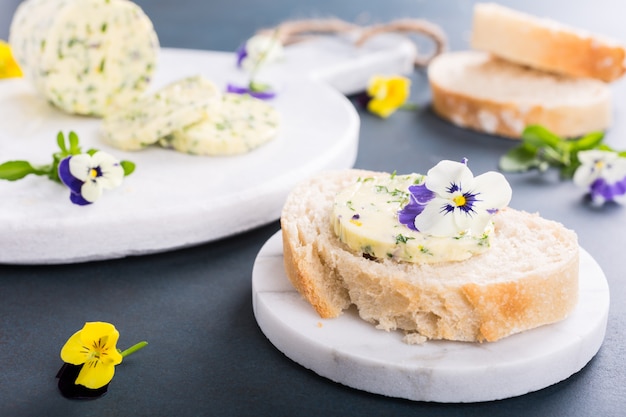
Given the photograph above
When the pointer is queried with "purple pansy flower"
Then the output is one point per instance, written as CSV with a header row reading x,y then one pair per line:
x,y
451,200
260,94
87,175
419,196
241,54
604,174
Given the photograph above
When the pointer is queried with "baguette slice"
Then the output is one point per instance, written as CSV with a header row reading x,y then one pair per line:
x,y
528,278
545,44
475,90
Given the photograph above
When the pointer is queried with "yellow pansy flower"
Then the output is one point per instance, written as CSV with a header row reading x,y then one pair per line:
x,y
387,94
8,66
94,347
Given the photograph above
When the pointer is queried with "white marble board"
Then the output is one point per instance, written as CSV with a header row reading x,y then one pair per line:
x,y
352,352
172,200
175,200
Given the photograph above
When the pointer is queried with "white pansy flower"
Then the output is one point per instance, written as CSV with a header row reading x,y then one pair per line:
x,y
258,51
451,201
604,174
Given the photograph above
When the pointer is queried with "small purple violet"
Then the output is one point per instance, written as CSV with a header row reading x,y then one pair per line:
x,y
251,90
604,174
87,175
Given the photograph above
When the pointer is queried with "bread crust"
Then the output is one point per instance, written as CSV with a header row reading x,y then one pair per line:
x,y
503,115
545,44
485,298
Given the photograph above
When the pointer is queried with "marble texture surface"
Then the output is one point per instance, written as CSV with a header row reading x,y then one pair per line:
x,y
353,352
207,197
337,62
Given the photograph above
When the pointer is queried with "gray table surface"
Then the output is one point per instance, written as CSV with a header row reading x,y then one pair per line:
x,y
207,355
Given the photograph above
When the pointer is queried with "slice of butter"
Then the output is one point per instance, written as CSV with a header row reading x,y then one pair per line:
x,y
240,124
149,119
365,218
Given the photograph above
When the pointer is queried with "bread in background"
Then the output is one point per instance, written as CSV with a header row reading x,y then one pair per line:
x,y
475,90
545,44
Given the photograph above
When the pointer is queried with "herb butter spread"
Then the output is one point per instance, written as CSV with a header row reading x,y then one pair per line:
x,y
151,118
239,124
85,55
365,218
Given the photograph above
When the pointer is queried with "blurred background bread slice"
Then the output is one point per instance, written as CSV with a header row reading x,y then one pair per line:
x,y
545,44
475,90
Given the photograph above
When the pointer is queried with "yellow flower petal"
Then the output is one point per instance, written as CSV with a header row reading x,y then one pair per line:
x,y
94,346
387,94
95,374
73,351
8,65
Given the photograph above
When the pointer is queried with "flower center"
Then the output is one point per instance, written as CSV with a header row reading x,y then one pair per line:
x,y
459,200
93,172
98,349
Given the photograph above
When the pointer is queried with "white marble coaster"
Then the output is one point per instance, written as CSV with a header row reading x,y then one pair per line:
x,y
352,352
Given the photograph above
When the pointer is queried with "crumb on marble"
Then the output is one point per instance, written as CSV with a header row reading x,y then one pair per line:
x,y
414,339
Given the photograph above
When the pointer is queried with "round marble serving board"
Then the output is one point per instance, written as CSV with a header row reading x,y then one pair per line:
x,y
172,200
353,352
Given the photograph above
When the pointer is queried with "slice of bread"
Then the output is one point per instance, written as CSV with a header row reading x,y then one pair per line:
x,y
528,278
545,44
475,90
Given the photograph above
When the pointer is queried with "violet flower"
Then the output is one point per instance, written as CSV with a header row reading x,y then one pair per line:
x,y
451,201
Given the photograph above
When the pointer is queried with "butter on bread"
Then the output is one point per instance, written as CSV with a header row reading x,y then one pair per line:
x,y
528,278
545,44
475,90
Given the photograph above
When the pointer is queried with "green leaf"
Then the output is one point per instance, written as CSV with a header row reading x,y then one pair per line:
x,y
258,87
16,170
129,167
554,156
61,142
589,141
539,136
74,147
520,159
567,172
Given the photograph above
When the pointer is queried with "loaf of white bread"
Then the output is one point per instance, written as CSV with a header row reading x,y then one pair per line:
x,y
527,70
528,277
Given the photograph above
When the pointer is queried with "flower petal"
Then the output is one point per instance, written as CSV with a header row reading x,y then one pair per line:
x,y
8,66
80,165
95,374
262,95
78,199
67,178
73,351
495,191
94,329
387,94
241,54
435,221
419,196
260,50
91,191
446,173
112,171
